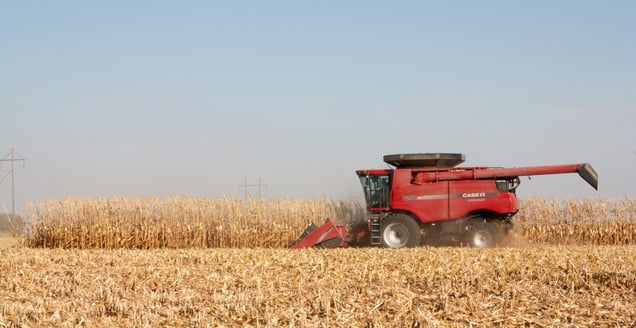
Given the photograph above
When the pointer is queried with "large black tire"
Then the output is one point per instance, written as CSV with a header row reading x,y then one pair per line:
x,y
482,233
400,230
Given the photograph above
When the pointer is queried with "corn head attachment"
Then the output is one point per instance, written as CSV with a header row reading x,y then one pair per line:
x,y
327,235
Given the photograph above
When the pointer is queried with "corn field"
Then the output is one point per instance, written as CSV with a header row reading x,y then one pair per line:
x,y
190,222
582,221
198,262
179,222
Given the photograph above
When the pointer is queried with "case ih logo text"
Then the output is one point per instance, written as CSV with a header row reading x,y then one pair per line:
x,y
474,195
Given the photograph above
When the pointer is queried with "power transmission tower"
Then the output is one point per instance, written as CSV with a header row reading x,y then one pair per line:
x,y
12,157
245,185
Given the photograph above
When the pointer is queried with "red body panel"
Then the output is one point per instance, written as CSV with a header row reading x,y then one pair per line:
x,y
446,200
429,202
468,196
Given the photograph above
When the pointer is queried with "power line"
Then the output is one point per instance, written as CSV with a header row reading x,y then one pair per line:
x,y
246,185
12,157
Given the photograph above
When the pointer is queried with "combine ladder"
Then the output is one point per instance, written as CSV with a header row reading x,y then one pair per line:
x,y
376,229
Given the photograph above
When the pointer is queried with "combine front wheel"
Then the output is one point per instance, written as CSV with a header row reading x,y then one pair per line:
x,y
400,230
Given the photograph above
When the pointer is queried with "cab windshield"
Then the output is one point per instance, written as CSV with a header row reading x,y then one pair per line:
x,y
376,190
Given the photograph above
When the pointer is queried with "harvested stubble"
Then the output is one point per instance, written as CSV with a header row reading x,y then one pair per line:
x,y
187,222
8,242
552,286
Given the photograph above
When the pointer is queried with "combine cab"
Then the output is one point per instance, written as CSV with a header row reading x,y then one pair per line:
x,y
427,196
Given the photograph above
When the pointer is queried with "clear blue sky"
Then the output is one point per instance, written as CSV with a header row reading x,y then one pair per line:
x,y
143,98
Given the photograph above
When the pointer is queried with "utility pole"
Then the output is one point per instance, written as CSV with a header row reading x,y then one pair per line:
x,y
12,157
245,185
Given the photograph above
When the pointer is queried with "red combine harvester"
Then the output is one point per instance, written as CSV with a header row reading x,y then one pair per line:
x,y
426,196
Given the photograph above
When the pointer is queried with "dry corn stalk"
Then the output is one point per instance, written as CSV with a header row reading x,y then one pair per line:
x,y
178,222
